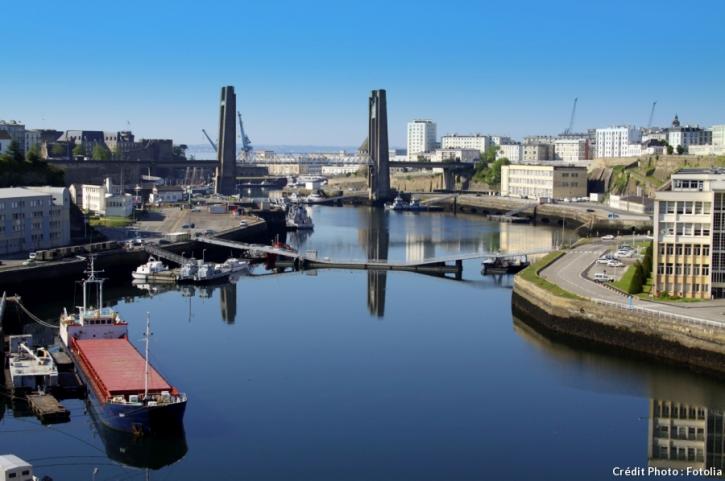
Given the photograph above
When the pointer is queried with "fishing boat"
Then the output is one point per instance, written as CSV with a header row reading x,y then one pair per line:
x,y
499,264
397,204
151,269
127,393
297,218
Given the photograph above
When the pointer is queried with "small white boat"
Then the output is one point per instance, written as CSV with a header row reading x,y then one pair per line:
x,y
314,198
30,369
234,265
397,204
151,269
297,218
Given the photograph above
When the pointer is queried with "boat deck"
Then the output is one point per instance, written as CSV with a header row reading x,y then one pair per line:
x,y
117,368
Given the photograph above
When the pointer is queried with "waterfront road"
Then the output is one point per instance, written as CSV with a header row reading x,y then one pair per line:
x,y
569,272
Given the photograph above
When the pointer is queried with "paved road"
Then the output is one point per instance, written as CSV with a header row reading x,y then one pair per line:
x,y
568,273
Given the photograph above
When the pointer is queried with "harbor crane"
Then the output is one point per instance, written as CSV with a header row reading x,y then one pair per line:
x,y
246,143
211,142
571,119
651,114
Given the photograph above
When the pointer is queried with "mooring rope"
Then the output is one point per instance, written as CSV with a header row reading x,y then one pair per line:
x,y
34,317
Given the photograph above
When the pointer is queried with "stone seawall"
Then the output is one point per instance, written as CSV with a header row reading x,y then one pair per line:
x,y
700,347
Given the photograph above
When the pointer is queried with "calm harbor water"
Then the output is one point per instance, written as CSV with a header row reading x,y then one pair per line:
x,y
355,375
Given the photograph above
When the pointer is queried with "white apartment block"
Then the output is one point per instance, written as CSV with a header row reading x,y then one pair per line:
x,y
718,135
571,150
615,141
513,152
421,138
543,181
455,141
689,235
34,218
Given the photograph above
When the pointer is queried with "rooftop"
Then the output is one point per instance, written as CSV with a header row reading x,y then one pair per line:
x,y
16,192
701,171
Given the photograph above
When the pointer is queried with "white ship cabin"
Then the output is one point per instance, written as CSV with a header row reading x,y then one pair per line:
x,y
12,468
92,322
29,368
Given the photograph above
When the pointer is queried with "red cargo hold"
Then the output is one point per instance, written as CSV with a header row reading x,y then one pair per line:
x,y
117,368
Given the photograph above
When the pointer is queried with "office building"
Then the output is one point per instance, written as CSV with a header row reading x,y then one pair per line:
x,y
33,218
689,235
536,181
107,199
421,138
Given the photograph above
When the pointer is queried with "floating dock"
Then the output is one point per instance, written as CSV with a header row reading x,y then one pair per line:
x,y
48,409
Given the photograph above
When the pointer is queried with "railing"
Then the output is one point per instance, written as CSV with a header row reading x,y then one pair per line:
x,y
696,321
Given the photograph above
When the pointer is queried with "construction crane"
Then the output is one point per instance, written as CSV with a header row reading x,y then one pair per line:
x,y
211,142
571,119
246,143
651,114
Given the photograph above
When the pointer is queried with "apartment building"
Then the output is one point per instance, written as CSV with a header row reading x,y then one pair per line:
x,y
689,235
34,218
536,181
513,152
615,141
571,150
421,138
476,141
684,136
537,151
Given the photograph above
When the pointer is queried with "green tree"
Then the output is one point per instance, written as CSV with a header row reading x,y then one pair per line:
x,y
670,150
647,262
179,151
100,152
680,150
13,154
33,154
79,149
493,175
58,150
116,152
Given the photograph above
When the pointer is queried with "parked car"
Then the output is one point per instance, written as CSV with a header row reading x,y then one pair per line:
x,y
605,259
608,237
187,226
603,277
242,223
32,255
591,210
615,263
623,253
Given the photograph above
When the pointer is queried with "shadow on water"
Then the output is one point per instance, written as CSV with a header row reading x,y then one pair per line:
x,y
685,423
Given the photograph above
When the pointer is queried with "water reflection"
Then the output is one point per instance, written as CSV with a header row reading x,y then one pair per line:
x,y
683,434
152,452
227,295
685,425
377,240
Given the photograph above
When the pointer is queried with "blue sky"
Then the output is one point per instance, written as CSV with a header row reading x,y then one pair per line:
x,y
303,69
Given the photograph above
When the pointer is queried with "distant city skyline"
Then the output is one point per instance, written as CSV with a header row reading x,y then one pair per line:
x,y
303,72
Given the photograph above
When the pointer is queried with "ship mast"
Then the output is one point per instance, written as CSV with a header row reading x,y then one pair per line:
x,y
146,368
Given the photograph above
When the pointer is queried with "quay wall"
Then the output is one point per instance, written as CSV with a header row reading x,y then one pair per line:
x,y
700,346
545,214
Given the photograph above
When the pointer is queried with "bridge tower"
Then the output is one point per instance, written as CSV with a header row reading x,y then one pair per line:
x,y
379,173
226,174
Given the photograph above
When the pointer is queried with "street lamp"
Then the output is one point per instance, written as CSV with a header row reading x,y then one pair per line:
x,y
203,254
